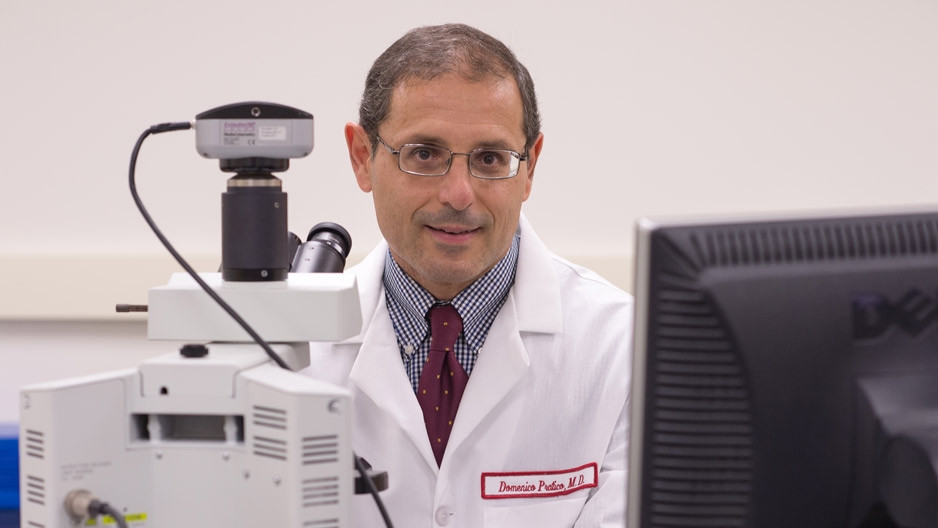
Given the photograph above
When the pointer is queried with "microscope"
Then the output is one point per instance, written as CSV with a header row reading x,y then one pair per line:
x,y
218,433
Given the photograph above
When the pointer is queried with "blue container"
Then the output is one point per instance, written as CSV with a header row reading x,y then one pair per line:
x,y
9,468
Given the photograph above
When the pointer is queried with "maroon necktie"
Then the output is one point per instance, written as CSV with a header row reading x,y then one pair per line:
x,y
443,379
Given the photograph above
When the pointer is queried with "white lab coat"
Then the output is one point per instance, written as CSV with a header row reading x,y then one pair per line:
x,y
546,396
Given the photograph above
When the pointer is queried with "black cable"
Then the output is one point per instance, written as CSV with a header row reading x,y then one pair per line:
x,y
167,127
96,507
363,471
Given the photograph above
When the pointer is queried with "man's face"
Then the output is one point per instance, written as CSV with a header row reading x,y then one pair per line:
x,y
446,231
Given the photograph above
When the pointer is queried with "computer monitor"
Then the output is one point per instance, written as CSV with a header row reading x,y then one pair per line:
x,y
786,372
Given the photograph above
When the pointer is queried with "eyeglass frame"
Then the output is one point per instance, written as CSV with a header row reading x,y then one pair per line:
x,y
449,163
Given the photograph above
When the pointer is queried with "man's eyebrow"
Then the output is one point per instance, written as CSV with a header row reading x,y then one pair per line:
x,y
424,139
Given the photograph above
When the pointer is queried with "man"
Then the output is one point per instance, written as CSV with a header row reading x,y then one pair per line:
x,y
448,139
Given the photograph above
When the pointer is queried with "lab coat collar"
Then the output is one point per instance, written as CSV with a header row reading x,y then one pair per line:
x,y
370,286
536,291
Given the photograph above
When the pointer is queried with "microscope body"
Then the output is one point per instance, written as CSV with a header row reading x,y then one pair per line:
x,y
213,435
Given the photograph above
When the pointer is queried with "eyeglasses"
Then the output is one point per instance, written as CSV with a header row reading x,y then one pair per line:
x,y
429,160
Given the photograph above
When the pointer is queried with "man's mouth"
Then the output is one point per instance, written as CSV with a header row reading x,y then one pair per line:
x,y
453,235
453,230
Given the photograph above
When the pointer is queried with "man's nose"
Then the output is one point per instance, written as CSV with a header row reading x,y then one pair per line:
x,y
456,186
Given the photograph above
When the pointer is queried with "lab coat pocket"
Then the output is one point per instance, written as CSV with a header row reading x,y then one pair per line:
x,y
541,514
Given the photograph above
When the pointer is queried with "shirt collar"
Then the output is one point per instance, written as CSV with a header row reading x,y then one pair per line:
x,y
474,303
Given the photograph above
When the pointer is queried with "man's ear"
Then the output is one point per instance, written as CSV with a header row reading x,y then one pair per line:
x,y
359,153
533,154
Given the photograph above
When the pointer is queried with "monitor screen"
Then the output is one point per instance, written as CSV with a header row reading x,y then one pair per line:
x,y
786,372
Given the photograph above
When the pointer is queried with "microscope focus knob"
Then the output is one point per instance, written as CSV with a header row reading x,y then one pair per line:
x,y
194,350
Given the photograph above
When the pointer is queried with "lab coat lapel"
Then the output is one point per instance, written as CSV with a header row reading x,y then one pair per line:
x,y
532,306
502,362
379,373
378,370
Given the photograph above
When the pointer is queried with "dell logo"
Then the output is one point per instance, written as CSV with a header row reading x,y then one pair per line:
x,y
874,314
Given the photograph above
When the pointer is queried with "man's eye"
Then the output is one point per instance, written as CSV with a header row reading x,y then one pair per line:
x,y
490,158
423,154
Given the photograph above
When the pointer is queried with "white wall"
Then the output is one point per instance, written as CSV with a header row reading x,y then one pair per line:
x,y
654,107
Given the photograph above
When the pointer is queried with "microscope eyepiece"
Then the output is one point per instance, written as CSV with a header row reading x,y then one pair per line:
x,y
324,251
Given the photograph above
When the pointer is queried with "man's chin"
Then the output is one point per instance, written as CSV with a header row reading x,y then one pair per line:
x,y
442,275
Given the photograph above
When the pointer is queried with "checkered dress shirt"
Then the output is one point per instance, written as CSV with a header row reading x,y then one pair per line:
x,y
478,304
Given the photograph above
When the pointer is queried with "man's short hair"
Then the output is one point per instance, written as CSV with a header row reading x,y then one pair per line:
x,y
427,52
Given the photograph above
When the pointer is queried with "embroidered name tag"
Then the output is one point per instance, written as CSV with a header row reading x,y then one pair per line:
x,y
539,483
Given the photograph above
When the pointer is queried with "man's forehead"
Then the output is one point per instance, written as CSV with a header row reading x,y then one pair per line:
x,y
483,84
454,99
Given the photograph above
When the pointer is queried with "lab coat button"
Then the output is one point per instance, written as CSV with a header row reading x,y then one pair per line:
x,y
442,516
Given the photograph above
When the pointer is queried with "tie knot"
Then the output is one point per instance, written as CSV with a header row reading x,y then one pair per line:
x,y
445,325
